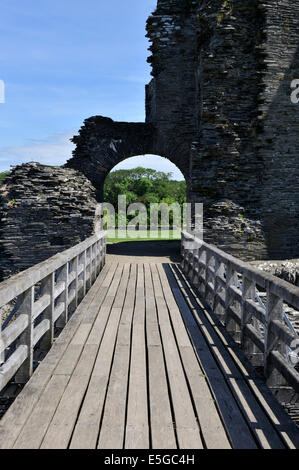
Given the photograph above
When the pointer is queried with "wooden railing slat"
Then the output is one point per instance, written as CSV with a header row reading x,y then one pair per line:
x,y
239,283
61,281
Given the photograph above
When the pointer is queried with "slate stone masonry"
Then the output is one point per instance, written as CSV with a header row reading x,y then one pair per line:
x,y
221,95
43,210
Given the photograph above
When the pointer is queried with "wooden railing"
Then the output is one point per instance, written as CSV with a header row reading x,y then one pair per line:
x,y
42,298
233,289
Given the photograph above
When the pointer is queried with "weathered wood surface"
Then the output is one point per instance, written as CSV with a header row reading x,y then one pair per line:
x,y
232,289
46,294
142,364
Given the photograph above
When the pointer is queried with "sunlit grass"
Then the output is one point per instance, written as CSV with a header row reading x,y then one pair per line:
x,y
118,236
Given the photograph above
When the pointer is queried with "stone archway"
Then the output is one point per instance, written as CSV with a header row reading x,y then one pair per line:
x,y
103,143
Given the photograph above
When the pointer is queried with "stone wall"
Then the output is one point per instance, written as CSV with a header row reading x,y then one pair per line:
x,y
173,98
278,144
221,89
226,170
43,210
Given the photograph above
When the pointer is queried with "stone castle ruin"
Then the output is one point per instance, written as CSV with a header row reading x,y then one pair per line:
x,y
218,107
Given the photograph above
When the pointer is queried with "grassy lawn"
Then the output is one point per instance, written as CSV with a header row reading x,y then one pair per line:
x,y
142,236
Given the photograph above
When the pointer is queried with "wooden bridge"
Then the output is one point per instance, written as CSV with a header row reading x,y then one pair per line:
x,y
149,355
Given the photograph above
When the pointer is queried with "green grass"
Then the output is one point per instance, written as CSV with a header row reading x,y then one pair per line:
x,y
143,236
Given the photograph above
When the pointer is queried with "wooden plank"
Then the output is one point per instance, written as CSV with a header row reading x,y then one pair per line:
x,y
235,424
71,398
40,330
185,421
137,428
211,425
113,426
60,429
13,364
13,331
100,298
105,308
70,358
27,307
40,305
86,431
33,432
17,415
283,424
87,428
259,423
161,420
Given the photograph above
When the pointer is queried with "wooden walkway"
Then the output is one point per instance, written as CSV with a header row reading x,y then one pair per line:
x,y
141,364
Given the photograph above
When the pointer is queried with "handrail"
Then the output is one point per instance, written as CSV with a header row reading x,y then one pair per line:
x,y
290,353
238,305
45,295
22,281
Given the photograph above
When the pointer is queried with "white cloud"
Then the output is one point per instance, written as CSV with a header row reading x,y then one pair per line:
x,y
54,150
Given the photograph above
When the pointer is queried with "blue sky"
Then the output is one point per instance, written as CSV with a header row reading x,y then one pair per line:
x,y
63,61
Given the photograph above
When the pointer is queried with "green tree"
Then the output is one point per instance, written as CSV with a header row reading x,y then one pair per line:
x,y
144,185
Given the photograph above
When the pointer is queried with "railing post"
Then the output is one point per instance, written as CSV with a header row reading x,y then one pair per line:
x,y
186,255
2,352
189,262
219,271
89,269
183,251
208,258
64,277
93,263
274,311
102,252
77,281
248,292
48,288
231,280
194,277
201,270
98,257
105,249
84,273
27,308
191,265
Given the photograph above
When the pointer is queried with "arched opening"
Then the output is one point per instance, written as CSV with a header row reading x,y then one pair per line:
x,y
103,143
152,190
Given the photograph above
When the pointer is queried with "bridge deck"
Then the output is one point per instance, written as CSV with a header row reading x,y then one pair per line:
x,y
141,364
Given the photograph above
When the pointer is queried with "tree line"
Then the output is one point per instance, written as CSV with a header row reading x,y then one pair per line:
x,y
144,185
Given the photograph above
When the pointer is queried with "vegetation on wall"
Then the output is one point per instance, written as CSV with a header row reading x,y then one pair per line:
x,y
3,176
